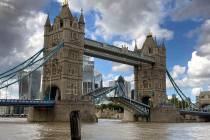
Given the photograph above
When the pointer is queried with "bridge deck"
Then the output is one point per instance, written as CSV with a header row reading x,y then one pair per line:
x,y
201,113
26,103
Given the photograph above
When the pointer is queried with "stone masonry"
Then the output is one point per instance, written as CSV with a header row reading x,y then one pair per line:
x,y
150,80
62,78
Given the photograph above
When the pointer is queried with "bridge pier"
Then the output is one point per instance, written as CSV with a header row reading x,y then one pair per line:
x,y
60,112
129,116
166,115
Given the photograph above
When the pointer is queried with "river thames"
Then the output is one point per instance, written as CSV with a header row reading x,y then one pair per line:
x,y
20,129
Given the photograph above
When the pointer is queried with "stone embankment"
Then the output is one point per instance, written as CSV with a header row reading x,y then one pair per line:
x,y
108,114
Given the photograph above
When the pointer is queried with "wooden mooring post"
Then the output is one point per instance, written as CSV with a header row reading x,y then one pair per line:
x,y
75,125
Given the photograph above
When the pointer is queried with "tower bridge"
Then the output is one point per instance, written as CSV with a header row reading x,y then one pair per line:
x,y
62,73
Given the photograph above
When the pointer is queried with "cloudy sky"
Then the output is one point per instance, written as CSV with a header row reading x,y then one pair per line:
x,y
183,24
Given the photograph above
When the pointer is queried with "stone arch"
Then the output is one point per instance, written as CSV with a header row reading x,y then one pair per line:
x,y
145,84
53,93
146,100
150,50
205,105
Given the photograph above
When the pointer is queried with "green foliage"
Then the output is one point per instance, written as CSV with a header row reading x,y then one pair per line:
x,y
179,104
110,106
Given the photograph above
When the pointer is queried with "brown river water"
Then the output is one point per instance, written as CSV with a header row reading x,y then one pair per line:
x,y
20,129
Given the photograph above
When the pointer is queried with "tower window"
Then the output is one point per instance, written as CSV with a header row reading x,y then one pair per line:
x,y
61,23
150,51
145,84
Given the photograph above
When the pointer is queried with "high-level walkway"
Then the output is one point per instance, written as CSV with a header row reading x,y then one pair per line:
x,y
113,53
26,103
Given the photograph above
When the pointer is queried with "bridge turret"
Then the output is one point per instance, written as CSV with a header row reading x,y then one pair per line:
x,y
66,12
82,21
151,79
47,26
135,48
64,72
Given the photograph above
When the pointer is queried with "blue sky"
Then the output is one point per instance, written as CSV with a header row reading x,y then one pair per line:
x,y
183,24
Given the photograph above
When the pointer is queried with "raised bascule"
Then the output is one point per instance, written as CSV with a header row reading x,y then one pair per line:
x,y
63,76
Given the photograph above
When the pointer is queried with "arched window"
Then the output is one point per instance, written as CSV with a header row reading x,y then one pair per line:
x,y
150,50
61,23
145,84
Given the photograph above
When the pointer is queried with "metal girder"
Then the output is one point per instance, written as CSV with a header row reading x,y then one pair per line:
x,y
140,108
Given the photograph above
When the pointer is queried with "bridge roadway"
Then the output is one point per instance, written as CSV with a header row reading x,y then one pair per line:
x,y
113,53
26,103
195,112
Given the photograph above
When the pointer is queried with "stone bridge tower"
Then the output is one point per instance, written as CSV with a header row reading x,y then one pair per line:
x,y
62,76
150,80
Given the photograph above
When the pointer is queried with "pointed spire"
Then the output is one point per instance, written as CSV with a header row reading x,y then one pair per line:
x,y
81,19
163,43
47,23
136,48
65,2
149,34
65,11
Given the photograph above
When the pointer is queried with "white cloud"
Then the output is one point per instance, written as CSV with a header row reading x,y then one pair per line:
x,y
21,35
21,30
197,73
120,44
178,70
10,92
34,37
130,79
196,91
198,66
129,20
168,83
191,9
121,67
169,97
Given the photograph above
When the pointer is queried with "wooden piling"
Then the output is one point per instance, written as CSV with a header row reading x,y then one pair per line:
x,y
75,125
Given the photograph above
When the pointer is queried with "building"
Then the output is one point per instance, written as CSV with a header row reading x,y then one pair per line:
x,y
29,87
91,79
88,74
127,84
133,94
203,99
98,80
